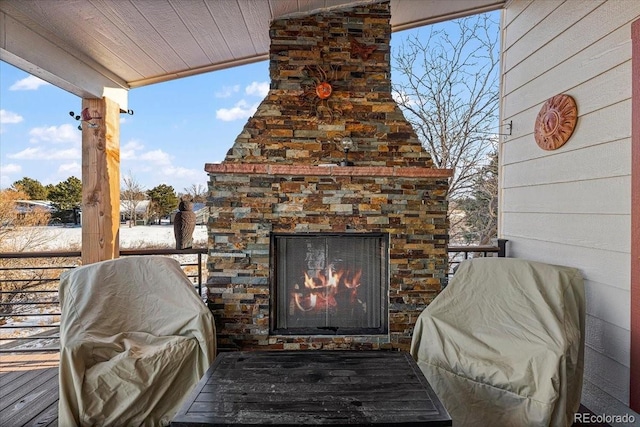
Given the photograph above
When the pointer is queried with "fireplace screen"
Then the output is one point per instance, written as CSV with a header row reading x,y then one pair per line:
x,y
329,284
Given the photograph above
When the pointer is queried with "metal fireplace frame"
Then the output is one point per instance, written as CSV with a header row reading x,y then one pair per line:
x,y
382,329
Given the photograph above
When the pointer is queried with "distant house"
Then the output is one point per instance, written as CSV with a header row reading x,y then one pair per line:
x,y
201,211
141,207
27,206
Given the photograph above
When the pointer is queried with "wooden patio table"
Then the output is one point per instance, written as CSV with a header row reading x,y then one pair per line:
x,y
302,387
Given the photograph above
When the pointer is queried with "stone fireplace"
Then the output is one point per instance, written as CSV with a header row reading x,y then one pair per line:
x,y
329,284
305,252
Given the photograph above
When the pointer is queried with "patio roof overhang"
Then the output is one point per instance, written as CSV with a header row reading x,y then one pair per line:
x,y
96,48
100,49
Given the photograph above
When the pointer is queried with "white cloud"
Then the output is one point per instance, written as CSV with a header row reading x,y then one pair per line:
x,y
28,83
69,153
132,150
258,89
181,172
55,134
179,177
241,110
10,117
129,150
10,168
403,98
157,157
227,91
6,171
70,169
144,168
44,153
27,154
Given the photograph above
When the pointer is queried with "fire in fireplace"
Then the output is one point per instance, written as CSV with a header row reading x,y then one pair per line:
x,y
329,284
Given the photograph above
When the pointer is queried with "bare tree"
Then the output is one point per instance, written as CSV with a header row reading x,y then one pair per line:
x,y
197,193
132,194
18,227
21,231
449,90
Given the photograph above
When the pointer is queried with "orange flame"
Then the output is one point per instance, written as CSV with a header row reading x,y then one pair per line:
x,y
319,292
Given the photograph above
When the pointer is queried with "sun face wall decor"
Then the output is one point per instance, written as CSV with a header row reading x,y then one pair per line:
x,y
317,91
330,78
555,122
320,84
323,90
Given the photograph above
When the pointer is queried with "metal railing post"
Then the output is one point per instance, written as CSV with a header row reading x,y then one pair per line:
x,y
502,248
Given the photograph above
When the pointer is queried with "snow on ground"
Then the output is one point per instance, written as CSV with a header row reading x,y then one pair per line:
x,y
57,238
64,238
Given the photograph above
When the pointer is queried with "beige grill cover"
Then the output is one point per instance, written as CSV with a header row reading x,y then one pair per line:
x,y
503,344
135,339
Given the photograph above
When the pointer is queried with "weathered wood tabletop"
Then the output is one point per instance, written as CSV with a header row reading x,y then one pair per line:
x,y
313,387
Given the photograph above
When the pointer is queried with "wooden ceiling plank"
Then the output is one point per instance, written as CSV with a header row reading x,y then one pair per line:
x,y
282,7
147,41
308,5
254,12
228,17
30,51
204,30
137,37
408,14
170,29
79,29
34,21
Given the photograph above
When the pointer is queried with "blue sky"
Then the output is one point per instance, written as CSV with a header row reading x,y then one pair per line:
x,y
176,128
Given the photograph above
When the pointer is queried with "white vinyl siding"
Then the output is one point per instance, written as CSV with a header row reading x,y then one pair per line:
x,y
572,206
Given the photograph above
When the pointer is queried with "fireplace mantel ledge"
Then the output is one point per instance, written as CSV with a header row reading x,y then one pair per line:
x,y
330,170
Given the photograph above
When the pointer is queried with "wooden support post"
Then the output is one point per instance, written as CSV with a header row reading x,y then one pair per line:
x,y
100,181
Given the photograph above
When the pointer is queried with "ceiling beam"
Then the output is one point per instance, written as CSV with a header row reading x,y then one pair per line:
x,y
199,70
84,47
404,16
25,49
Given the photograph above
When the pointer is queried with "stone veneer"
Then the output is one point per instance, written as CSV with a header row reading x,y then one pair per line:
x,y
281,176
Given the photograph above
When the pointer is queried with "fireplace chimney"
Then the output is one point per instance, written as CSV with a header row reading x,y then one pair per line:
x,y
286,173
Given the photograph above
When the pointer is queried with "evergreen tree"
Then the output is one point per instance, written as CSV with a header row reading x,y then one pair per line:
x,y
481,208
66,197
32,188
163,200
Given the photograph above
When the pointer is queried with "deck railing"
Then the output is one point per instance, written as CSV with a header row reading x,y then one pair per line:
x,y
457,254
29,306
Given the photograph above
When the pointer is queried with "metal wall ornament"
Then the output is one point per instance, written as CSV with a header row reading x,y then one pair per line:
x,y
88,117
361,50
555,122
324,90
318,88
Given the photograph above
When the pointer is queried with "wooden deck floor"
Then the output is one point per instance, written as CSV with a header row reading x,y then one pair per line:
x,y
29,390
